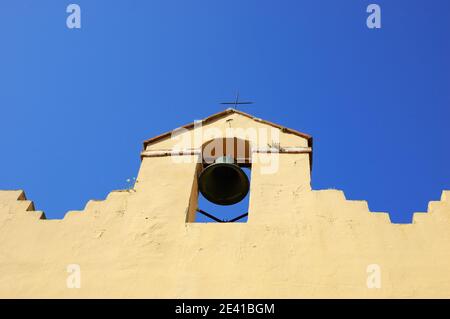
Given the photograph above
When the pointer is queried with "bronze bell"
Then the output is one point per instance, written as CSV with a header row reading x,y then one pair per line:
x,y
223,182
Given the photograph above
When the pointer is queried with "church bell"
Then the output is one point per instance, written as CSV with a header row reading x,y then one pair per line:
x,y
223,182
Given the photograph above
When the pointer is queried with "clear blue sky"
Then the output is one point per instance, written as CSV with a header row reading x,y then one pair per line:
x,y
76,104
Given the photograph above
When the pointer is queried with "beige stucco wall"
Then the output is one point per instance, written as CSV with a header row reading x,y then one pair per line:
x,y
297,243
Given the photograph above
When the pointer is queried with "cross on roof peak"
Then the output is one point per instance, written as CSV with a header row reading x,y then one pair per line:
x,y
236,102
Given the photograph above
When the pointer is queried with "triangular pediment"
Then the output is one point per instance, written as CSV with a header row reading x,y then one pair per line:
x,y
226,115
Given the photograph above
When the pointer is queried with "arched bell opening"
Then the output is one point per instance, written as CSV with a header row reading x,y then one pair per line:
x,y
223,181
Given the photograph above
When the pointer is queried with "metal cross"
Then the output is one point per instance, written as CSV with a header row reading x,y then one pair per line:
x,y
236,102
